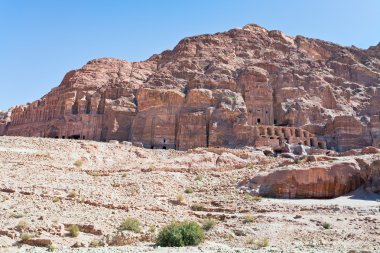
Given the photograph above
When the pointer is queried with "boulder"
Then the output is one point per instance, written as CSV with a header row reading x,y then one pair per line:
x,y
325,181
299,150
38,242
370,150
370,174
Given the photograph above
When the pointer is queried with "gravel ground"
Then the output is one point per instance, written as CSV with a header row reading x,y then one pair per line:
x,y
43,184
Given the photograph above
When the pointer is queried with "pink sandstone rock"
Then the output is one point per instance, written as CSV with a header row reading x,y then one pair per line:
x,y
325,181
243,87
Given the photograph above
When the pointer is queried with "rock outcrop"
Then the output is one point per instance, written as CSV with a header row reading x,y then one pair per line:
x,y
247,86
319,176
324,181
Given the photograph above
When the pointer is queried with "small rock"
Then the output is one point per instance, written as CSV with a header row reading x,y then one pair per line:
x,y
78,245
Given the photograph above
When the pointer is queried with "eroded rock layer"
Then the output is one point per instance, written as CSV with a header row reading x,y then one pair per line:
x,y
247,86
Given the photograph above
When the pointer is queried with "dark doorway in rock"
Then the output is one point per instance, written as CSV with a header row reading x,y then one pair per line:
x,y
56,137
83,137
258,121
75,137
164,140
163,147
152,147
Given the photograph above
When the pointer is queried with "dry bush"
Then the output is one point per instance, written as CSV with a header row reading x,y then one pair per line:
x,y
26,237
78,163
249,218
208,224
131,224
197,207
74,230
22,225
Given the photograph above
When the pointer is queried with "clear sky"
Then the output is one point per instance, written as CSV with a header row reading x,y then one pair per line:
x,y
41,40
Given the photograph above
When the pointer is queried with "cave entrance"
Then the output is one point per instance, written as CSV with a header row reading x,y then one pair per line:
x,y
75,137
163,147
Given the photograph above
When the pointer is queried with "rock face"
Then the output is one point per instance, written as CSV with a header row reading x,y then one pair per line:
x,y
320,176
247,86
4,119
372,174
326,181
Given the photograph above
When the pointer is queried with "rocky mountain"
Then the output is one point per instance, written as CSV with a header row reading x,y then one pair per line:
x,y
243,87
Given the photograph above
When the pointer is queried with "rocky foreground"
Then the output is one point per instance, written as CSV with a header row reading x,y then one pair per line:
x,y
46,185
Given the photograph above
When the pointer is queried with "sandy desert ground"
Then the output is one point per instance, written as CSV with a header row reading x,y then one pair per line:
x,y
48,184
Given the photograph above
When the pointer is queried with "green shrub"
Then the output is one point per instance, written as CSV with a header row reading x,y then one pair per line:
x,y
131,224
189,190
326,225
73,230
56,199
208,224
179,234
197,207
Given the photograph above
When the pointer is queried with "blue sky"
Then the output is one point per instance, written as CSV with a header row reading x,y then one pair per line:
x,y
41,40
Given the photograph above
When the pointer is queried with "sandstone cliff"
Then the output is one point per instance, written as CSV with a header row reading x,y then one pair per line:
x,y
247,86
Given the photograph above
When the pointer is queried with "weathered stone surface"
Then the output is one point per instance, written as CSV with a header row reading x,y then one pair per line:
x,y
226,89
325,181
38,242
371,174
370,150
